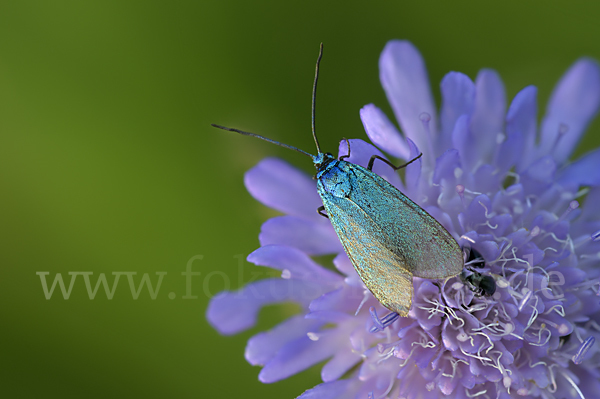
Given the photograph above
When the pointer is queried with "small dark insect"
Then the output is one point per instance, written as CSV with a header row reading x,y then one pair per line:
x,y
473,258
478,283
481,284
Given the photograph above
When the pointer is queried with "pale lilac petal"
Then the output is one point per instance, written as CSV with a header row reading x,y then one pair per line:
x,y
583,172
445,166
232,312
262,347
476,214
520,131
382,132
573,104
279,185
486,179
589,383
537,374
425,292
498,224
295,263
522,120
344,265
447,384
463,141
345,299
442,217
298,355
458,99
539,175
361,153
330,316
309,236
487,120
341,389
591,212
404,79
413,171
339,364
509,153
510,200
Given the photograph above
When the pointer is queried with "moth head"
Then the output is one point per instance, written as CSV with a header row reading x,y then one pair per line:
x,y
322,159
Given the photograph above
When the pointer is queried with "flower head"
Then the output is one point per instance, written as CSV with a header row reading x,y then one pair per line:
x,y
522,323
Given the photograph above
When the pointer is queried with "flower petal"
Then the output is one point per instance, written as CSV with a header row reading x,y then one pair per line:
x,y
476,213
590,211
463,141
486,179
298,355
330,316
344,265
458,98
296,263
520,131
539,175
404,79
489,112
232,312
445,166
442,217
331,390
412,173
425,294
573,104
345,299
262,347
583,172
279,185
382,132
588,382
522,119
361,153
308,236
339,364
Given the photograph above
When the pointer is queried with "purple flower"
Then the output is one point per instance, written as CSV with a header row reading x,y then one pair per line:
x,y
502,186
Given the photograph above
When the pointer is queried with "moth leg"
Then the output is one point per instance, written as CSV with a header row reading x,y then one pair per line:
x,y
374,157
348,155
320,211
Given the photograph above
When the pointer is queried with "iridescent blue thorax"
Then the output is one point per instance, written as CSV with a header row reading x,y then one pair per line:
x,y
333,178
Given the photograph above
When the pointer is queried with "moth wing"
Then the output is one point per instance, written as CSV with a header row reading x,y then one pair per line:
x,y
427,248
384,273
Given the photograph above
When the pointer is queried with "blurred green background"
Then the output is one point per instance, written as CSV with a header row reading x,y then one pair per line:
x,y
108,163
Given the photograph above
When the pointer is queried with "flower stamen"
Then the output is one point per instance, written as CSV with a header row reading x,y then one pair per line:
x,y
575,387
583,350
381,324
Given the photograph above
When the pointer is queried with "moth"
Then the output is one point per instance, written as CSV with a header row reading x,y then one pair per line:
x,y
387,237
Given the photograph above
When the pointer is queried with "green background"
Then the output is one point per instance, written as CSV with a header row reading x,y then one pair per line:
x,y
108,163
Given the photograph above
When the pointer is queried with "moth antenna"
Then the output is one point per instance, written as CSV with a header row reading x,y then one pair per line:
x,y
258,136
314,98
